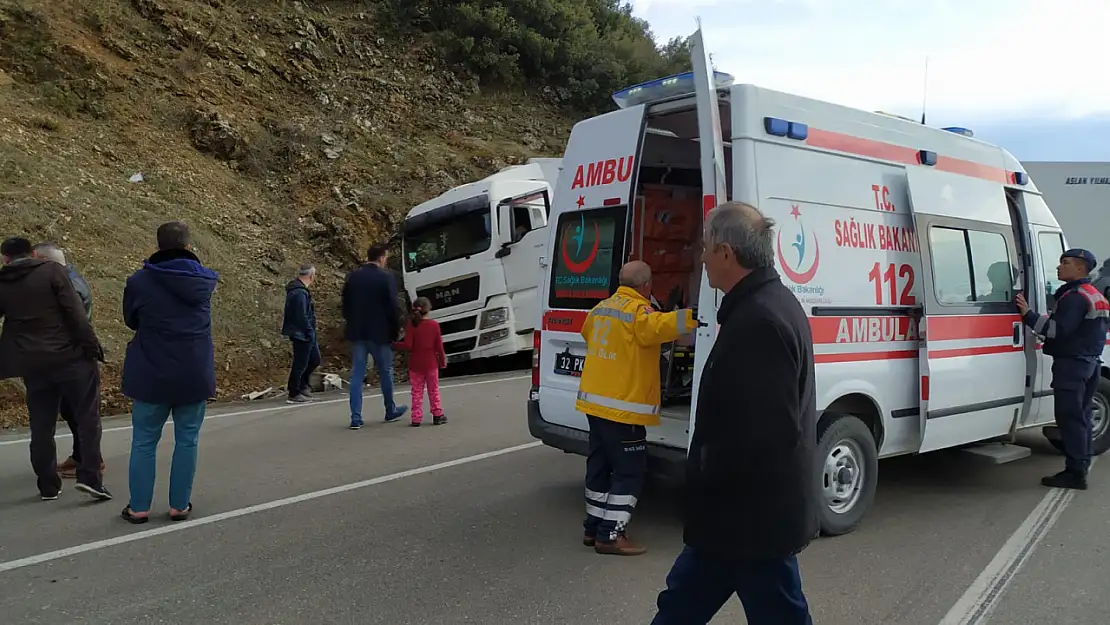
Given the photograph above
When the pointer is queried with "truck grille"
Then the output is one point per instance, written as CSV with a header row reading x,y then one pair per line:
x,y
451,294
461,345
458,325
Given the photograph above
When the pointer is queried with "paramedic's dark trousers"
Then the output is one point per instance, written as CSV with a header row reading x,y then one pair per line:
x,y
78,384
1074,382
700,583
615,472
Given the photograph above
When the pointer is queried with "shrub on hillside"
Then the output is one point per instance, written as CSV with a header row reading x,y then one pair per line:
x,y
584,49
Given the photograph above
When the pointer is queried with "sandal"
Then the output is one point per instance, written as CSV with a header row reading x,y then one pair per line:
x,y
183,515
129,515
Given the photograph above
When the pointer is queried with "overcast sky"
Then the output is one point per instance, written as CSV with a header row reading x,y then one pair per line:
x,y
1030,75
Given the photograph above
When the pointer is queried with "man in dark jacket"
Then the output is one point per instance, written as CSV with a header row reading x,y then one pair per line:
x,y
299,325
373,322
749,473
51,252
1074,335
49,342
170,366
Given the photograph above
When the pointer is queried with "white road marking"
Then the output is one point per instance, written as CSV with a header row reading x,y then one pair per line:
x,y
50,556
978,603
276,408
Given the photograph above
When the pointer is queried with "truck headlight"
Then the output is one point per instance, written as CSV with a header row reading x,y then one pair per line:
x,y
494,317
493,337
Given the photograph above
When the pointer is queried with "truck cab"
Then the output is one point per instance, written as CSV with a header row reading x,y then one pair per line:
x,y
475,253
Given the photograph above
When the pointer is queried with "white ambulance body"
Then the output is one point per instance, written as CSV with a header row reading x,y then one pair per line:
x,y
474,252
905,244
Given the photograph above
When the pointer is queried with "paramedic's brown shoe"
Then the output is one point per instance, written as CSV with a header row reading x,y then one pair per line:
x,y
588,540
1066,479
619,547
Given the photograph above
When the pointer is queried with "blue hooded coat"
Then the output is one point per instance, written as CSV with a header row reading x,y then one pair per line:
x,y
168,303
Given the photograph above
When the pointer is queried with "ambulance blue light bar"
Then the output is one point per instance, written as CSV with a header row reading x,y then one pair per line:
x,y
782,128
1021,178
663,88
960,131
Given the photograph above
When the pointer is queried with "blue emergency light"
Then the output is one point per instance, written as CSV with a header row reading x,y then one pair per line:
x,y
960,131
663,88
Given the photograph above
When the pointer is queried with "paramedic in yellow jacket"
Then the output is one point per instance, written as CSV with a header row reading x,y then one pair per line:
x,y
619,393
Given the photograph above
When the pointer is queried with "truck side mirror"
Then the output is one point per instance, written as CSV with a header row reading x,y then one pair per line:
x,y
505,250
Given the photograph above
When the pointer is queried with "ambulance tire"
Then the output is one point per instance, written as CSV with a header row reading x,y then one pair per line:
x,y
845,451
1100,444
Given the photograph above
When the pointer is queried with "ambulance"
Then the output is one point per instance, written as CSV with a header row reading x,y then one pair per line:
x,y
905,244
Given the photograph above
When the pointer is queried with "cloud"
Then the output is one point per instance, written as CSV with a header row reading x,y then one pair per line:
x,y
1000,59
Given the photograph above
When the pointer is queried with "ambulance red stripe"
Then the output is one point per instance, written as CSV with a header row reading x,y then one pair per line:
x,y
957,327
828,140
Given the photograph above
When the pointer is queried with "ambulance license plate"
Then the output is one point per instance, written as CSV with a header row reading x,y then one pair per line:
x,y
570,364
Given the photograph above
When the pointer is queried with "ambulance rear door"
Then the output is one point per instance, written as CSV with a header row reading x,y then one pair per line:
x,y
714,193
973,366
586,248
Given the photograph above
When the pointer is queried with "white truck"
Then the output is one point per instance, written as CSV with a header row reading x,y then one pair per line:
x,y
905,244
474,252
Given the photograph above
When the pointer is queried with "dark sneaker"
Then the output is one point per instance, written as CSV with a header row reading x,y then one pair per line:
x,y
619,547
98,493
1066,479
397,414
298,399
356,425
53,497
440,420
415,424
588,540
307,394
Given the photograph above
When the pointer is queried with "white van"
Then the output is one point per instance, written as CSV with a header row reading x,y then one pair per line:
x,y
905,244
474,251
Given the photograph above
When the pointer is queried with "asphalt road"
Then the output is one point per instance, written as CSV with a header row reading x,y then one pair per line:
x,y
405,535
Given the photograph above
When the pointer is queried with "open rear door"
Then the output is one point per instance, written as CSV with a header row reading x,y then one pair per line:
x,y
714,192
585,248
973,365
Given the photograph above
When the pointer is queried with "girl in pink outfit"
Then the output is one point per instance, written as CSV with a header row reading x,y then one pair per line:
x,y
424,342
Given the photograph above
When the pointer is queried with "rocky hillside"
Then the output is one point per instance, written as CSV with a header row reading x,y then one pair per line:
x,y
282,132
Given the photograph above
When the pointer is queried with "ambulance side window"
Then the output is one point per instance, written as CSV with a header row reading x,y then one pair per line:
x,y
1051,248
970,266
586,259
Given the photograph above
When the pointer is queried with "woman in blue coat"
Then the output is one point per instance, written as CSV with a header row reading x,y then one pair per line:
x,y
169,367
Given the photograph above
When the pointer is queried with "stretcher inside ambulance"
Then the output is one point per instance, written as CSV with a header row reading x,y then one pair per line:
x,y
905,244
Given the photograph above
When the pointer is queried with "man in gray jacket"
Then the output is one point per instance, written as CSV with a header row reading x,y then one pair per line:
x,y
51,252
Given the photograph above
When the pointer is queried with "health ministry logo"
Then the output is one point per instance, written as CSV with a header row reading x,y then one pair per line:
x,y
799,262
576,234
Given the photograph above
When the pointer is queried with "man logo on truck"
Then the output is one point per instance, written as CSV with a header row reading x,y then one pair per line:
x,y
579,237
794,271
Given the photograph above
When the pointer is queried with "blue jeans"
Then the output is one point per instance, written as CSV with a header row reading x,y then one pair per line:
x,y
147,421
383,362
699,584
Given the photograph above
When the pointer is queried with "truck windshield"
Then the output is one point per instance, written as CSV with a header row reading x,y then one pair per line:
x,y
456,236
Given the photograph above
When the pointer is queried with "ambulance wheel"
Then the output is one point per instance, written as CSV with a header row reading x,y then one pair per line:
x,y
847,473
1100,421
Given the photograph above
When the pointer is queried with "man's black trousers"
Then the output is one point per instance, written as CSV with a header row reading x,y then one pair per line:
x,y
1074,383
77,384
615,471
306,357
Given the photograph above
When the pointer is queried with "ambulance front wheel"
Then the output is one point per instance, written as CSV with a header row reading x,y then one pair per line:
x,y
1100,422
848,471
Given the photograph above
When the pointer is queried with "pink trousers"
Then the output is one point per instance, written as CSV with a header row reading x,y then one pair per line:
x,y
420,380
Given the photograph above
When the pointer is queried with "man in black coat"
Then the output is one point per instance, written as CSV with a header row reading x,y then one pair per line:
x,y
751,505
299,324
373,322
